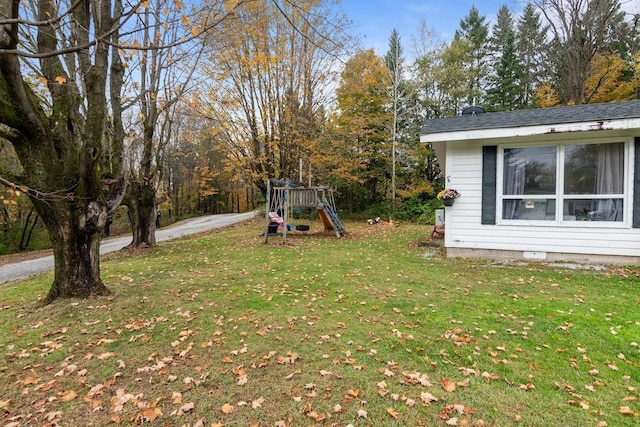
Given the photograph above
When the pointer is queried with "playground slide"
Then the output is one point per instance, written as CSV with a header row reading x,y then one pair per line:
x,y
326,221
330,220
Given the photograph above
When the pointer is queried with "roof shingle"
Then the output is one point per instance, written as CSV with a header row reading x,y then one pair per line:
x,y
541,116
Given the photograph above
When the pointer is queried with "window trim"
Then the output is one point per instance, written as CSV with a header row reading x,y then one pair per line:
x,y
559,195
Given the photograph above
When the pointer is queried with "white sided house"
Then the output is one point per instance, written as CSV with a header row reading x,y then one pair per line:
x,y
554,184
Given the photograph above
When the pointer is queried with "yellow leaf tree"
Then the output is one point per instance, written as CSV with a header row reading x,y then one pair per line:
x,y
357,144
609,80
268,81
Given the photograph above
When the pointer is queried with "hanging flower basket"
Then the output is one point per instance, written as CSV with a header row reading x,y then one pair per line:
x,y
448,196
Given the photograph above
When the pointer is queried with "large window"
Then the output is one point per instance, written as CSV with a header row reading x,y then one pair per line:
x,y
569,182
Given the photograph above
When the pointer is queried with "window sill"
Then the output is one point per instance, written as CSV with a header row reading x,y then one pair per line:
x,y
566,223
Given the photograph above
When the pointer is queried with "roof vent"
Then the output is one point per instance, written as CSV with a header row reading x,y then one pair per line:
x,y
473,110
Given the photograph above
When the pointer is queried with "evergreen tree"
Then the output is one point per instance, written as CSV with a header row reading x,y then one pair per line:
x,y
505,90
531,47
474,29
502,29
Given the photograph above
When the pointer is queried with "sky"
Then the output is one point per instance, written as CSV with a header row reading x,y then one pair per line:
x,y
373,20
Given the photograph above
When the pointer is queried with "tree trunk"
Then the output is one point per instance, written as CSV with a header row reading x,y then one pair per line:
x,y
142,214
76,250
25,237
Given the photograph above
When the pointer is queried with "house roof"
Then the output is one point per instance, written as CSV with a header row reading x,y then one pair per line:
x,y
584,113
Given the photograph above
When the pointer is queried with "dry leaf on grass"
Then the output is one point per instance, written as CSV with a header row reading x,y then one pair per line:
x,y
258,402
187,407
448,385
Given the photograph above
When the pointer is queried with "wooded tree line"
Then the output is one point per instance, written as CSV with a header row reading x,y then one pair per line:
x,y
192,108
267,85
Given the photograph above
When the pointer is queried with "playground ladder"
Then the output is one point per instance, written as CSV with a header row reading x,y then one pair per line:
x,y
332,213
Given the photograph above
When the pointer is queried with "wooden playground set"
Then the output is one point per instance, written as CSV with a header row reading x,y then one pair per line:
x,y
283,197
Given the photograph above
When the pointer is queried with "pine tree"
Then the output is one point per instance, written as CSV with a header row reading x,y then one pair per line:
x,y
474,29
531,47
505,90
503,28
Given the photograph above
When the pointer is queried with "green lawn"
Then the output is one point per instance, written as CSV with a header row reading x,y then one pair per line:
x,y
376,328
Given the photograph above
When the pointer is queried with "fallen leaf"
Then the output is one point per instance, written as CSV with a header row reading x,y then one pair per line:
x,y
226,408
625,410
68,395
106,355
459,408
394,414
31,380
526,387
50,416
151,414
257,403
187,407
427,397
448,385
362,413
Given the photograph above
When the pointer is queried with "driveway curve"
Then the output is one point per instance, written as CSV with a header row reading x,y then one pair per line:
x,y
20,270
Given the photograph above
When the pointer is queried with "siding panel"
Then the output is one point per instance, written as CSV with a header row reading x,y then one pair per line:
x,y
636,184
471,222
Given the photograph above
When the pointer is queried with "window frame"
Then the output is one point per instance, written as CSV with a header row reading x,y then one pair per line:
x,y
559,197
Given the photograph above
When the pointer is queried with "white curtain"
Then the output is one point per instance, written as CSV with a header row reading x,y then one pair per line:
x,y
514,175
609,180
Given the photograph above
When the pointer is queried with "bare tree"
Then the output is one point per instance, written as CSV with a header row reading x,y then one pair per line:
x,y
580,29
164,76
269,73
